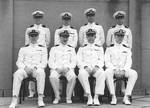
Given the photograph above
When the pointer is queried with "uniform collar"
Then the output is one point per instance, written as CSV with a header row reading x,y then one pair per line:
x,y
61,45
35,25
93,23
118,45
120,26
33,45
91,45
68,26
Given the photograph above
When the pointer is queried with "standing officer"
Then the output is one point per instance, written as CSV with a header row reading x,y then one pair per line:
x,y
73,37
90,15
119,16
62,61
44,39
118,62
32,59
90,59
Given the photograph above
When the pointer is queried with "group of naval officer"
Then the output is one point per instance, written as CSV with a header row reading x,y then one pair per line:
x,y
90,58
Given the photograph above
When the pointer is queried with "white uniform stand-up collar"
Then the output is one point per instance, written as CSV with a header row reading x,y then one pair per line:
x,y
120,26
64,26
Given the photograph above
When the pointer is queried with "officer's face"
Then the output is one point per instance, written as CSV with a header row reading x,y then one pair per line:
x,y
91,39
63,40
90,18
38,20
120,21
66,22
119,39
34,38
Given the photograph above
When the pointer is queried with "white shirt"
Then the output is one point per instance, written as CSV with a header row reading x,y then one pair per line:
x,y
118,57
62,56
73,36
32,55
90,55
100,39
127,38
44,36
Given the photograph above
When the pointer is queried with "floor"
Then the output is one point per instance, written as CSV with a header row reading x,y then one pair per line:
x,y
138,102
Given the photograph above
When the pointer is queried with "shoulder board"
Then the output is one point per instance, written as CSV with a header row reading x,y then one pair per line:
x,y
69,45
72,27
85,45
60,27
31,25
40,45
97,45
125,46
43,25
85,23
113,26
111,45
96,23
56,45
126,26
27,45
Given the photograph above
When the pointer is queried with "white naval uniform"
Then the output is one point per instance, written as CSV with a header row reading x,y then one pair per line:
x,y
119,57
31,56
100,39
73,36
44,35
91,55
127,38
44,40
62,56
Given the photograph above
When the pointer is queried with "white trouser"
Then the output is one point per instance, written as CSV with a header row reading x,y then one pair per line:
x,y
100,81
54,79
130,74
31,87
20,74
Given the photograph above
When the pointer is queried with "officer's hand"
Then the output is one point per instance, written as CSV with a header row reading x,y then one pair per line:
x,y
28,70
88,70
59,70
117,73
122,73
66,70
95,69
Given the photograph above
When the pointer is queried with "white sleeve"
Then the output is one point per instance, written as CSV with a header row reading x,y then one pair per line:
x,y
74,42
100,61
81,37
27,41
52,59
102,36
56,36
128,62
130,39
109,37
20,63
44,56
108,63
48,37
73,59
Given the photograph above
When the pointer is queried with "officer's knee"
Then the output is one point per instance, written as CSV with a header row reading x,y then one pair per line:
x,y
133,73
108,72
82,72
18,73
53,75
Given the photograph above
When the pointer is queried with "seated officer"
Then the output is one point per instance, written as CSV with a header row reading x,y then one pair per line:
x,y
62,61
90,59
118,62
32,59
